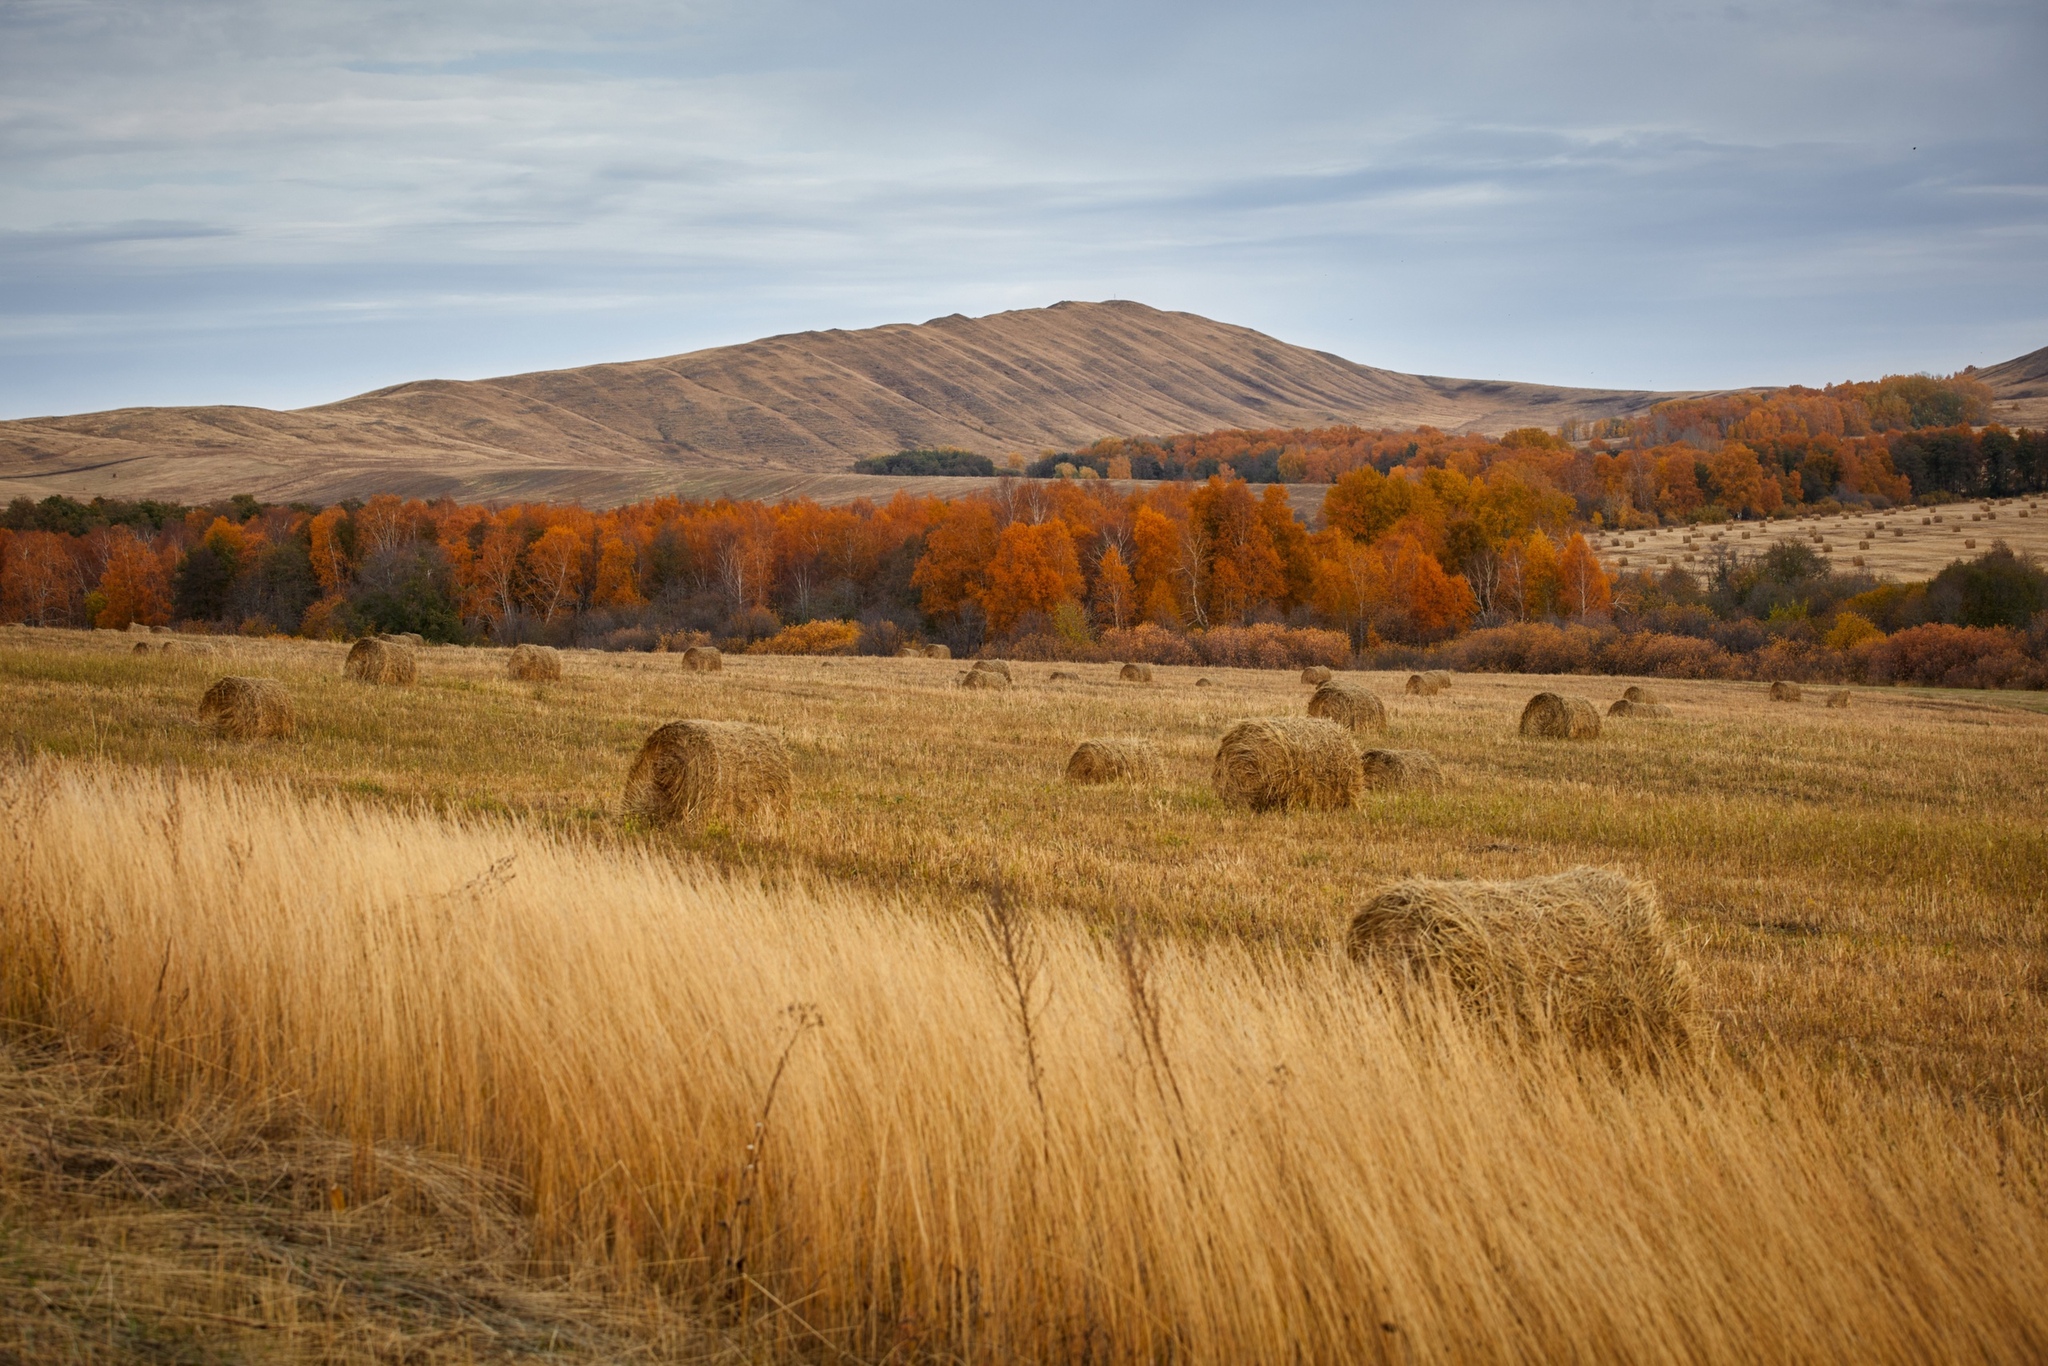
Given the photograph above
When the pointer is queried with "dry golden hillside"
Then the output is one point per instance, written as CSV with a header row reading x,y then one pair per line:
x,y
784,416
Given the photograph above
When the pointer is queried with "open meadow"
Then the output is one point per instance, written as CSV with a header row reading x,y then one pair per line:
x,y
958,1061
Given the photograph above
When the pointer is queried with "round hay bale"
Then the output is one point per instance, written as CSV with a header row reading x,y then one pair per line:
x,y
533,663
1586,953
1316,675
380,661
137,628
248,708
689,770
1388,768
1135,673
1560,718
412,638
1349,705
937,652
702,659
161,631
1287,761
1637,693
141,648
1115,761
993,666
1429,684
984,679
1781,691
1062,676
910,652
1204,683
1839,698
1624,707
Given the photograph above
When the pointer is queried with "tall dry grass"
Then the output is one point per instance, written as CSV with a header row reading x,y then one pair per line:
x,y
851,1119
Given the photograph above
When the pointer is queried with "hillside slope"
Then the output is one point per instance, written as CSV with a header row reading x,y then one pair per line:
x,y
784,414
2021,385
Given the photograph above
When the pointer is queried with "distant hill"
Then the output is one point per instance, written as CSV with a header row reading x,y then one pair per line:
x,y
2021,386
782,416
784,413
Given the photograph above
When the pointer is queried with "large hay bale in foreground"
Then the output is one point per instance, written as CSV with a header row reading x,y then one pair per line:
x,y
993,666
1388,768
1839,698
248,708
690,770
1349,705
984,679
1553,717
1429,684
1637,693
1115,761
1781,691
1585,952
1135,673
1623,707
1316,675
702,659
1284,761
380,661
533,663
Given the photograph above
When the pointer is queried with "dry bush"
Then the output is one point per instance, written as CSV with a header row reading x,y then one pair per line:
x,y
1135,673
811,638
1115,761
248,708
1349,705
1635,692
1781,691
1550,716
1651,710
1390,768
1586,953
689,770
1839,698
1316,675
380,661
1287,761
1150,644
985,680
533,663
703,659
1267,645
1429,684
791,1098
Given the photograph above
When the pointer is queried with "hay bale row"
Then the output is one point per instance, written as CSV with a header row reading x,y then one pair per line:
x,y
248,708
1350,706
1116,760
702,659
1648,710
1384,769
1287,761
1554,717
690,770
1586,953
533,663
374,660
1429,684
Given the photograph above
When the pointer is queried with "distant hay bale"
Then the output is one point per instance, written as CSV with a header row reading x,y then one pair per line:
x,y
993,666
1115,761
1624,707
1781,691
1349,705
1839,698
161,631
1637,693
703,659
380,661
1286,761
248,708
1388,768
937,652
1062,676
137,628
1135,673
141,648
534,663
1204,683
1429,684
1316,674
689,770
910,652
1550,716
985,679
1585,952
412,638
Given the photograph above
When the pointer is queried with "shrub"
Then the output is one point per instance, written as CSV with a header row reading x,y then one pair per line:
x,y
1148,644
1271,646
811,638
1951,657
940,461
1849,631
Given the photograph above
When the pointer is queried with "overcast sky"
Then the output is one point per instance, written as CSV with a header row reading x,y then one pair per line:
x,y
285,203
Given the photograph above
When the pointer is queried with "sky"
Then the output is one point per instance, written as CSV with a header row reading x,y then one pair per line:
x,y
281,204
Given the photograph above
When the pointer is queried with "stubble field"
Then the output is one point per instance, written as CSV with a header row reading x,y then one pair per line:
x,y
1859,891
